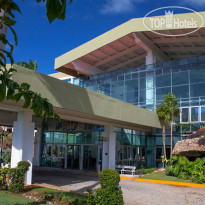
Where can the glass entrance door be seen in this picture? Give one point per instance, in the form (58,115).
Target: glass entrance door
(90,157)
(73,154)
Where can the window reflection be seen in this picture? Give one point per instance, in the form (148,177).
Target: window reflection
(185,114)
(202,113)
(194,114)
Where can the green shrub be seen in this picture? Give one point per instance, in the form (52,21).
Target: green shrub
(109,193)
(109,178)
(106,196)
(16,177)
(182,168)
(16,180)
(145,171)
(169,171)
(24,166)
(3,183)
(6,158)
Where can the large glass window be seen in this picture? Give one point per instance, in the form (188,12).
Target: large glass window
(180,78)
(68,80)
(76,81)
(185,115)
(131,85)
(163,80)
(195,114)
(181,91)
(197,90)
(131,97)
(60,137)
(202,113)
(117,87)
(104,89)
(48,137)
(160,92)
(197,76)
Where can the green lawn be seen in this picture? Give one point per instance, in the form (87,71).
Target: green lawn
(162,176)
(8,199)
(52,191)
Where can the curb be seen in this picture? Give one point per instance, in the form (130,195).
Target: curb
(181,184)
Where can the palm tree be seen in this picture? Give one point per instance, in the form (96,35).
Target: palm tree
(32,64)
(164,117)
(174,111)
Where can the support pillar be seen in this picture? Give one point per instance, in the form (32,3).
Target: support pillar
(109,148)
(150,59)
(37,147)
(22,143)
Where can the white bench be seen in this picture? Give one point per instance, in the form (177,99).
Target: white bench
(126,169)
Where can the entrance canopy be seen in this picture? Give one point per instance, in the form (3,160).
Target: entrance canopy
(128,45)
(78,103)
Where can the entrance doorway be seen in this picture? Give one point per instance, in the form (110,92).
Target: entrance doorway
(73,156)
(91,157)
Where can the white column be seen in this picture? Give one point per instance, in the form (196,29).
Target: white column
(150,59)
(37,147)
(22,143)
(109,147)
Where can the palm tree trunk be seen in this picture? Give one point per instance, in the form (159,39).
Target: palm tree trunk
(171,134)
(164,145)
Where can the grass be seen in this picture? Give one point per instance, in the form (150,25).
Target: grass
(8,199)
(71,195)
(163,176)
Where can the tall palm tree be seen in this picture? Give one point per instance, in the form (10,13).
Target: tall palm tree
(32,64)
(174,112)
(164,117)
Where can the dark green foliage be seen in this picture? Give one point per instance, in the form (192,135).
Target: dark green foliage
(184,169)
(107,196)
(32,64)
(3,183)
(109,178)
(109,193)
(16,180)
(145,171)
(24,166)
(60,198)
(15,177)
(90,197)
(6,158)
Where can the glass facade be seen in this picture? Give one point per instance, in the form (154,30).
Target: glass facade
(74,145)
(145,86)
(135,148)
(70,144)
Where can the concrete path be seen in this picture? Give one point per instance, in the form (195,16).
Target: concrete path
(135,193)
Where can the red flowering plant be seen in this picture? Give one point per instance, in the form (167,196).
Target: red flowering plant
(16,177)
(200,132)
(16,180)
(3,183)
(24,166)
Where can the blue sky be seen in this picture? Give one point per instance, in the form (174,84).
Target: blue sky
(85,20)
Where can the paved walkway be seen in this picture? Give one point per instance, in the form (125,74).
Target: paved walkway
(135,193)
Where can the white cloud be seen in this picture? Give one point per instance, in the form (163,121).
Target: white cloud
(118,6)
(194,3)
